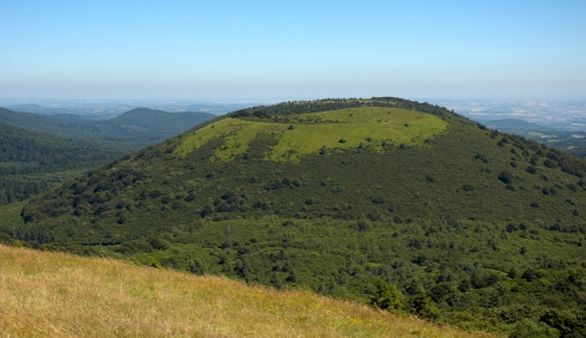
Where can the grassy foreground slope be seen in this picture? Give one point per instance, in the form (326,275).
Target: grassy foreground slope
(59,295)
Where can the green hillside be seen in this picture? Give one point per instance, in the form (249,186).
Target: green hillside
(407,206)
(141,127)
(30,162)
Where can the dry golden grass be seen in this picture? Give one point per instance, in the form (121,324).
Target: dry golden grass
(46,294)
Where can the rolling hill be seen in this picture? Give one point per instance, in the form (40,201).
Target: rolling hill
(60,295)
(155,125)
(41,123)
(130,131)
(404,205)
(30,162)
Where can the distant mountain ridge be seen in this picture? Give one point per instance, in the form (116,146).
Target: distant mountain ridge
(41,110)
(130,131)
(160,120)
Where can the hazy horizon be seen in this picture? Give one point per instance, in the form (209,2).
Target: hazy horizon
(254,51)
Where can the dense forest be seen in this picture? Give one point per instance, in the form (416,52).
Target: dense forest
(30,162)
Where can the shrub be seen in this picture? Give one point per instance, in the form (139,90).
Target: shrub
(530,328)
(550,163)
(387,297)
(440,291)
(362,226)
(292,277)
(530,275)
(159,244)
(196,266)
(566,322)
(506,177)
(481,158)
(480,281)
(421,305)
(377,199)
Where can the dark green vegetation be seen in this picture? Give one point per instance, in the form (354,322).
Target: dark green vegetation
(30,162)
(130,131)
(469,226)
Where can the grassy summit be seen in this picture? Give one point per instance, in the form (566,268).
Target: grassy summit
(59,295)
(307,134)
(358,198)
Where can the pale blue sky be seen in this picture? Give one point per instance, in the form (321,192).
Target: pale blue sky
(261,50)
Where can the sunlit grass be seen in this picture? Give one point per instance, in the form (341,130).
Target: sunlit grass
(306,134)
